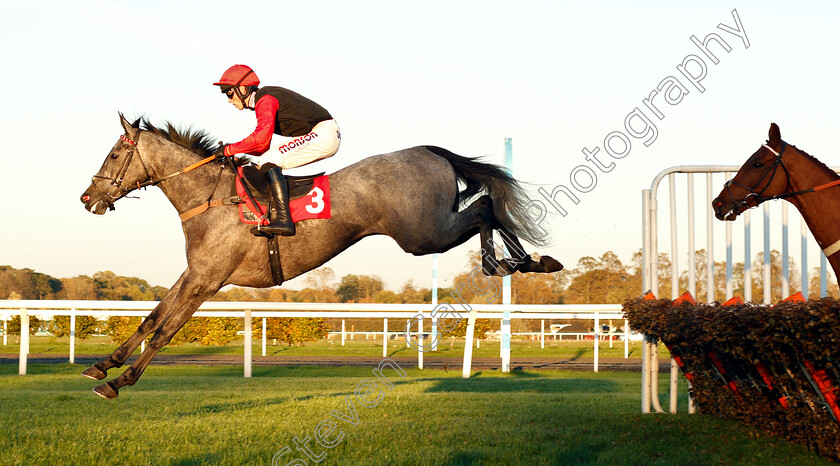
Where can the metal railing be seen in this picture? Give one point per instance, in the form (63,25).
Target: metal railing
(713,227)
(249,310)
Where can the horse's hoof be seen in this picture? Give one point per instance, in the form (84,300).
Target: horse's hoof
(94,373)
(549,264)
(106,391)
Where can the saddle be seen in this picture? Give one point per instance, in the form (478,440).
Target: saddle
(299,186)
(309,196)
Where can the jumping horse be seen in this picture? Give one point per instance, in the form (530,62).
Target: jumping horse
(411,195)
(778,170)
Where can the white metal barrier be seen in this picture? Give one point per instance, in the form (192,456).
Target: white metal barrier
(715,176)
(249,310)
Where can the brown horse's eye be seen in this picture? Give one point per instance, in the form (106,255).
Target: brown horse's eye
(113,156)
(758,165)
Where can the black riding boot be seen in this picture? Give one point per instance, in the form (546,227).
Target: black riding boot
(281,219)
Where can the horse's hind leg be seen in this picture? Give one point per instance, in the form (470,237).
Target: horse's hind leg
(99,370)
(443,232)
(520,261)
(189,297)
(546,264)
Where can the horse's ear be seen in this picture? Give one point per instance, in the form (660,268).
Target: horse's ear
(129,128)
(775,135)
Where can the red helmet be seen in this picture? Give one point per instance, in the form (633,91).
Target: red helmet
(238,75)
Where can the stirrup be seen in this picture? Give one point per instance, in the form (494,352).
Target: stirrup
(258,231)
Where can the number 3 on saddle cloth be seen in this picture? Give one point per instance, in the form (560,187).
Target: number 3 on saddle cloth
(309,196)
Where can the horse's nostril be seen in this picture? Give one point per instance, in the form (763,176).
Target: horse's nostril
(86,198)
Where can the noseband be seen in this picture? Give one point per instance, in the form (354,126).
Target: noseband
(769,174)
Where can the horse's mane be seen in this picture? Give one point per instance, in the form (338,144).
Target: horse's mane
(816,161)
(196,140)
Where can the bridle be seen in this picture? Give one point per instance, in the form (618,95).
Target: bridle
(117,191)
(759,197)
(110,196)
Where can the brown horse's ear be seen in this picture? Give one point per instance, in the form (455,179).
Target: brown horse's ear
(125,124)
(129,128)
(775,135)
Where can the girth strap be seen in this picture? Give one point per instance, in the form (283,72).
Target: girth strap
(274,260)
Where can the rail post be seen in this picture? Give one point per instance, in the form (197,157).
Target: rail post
(597,339)
(542,334)
(468,349)
(626,339)
(24,341)
(248,342)
(385,337)
(420,341)
(72,336)
(263,336)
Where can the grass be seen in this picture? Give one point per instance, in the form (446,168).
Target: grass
(203,415)
(359,347)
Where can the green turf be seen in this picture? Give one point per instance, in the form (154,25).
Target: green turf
(211,415)
(357,347)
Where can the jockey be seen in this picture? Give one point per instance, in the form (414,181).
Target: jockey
(315,136)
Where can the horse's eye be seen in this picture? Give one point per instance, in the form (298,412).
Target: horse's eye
(758,165)
(114,156)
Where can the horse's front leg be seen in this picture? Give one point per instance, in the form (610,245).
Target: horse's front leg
(99,370)
(189,297)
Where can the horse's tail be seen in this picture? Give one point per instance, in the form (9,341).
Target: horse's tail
(510,203)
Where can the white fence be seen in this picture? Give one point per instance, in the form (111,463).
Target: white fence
(681,214)
(249,310)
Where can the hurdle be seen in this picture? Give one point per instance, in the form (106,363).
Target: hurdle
(715,176)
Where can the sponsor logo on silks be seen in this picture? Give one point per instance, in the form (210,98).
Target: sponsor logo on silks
(295,143)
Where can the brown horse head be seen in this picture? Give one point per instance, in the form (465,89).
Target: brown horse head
(762,177)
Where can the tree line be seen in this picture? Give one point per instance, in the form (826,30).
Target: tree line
(602,280)
(594,280)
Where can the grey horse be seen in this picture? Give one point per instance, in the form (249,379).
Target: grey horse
(411,195)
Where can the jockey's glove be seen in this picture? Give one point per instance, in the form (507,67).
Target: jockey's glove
(220,153)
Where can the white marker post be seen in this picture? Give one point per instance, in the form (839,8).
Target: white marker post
(24,341)
(72,336)
(434,335)
(248,342)
(385,337)
(506,289)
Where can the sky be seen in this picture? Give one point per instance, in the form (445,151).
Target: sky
(558,78)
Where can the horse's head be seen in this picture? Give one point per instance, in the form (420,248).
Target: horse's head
(121,172)
(759,179)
